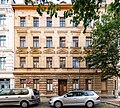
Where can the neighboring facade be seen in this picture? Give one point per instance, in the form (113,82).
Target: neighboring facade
(6,44)
(47,52)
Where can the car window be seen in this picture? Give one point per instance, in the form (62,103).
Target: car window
(88,93)
(24,92)
(5,92)
(20,92)
(71,94)
(16,92)
(80,94)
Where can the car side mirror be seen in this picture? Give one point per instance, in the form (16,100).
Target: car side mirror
(65,96)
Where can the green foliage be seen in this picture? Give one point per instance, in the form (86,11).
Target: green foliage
(104,55)
(115,8)
(29,1)
(84,10)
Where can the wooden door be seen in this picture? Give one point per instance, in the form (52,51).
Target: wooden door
(62,87)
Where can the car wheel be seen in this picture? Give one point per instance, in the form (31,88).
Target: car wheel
(24,104)
(90,104)
(58,104)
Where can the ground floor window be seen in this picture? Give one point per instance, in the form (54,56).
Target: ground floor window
(49,84)
(75,84)
(4,83)
(36,84)
(22,83)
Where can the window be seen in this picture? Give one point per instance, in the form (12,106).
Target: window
(36,84)
(22,83)
(104,86)
(88,41)
(35,62)
(103,2)
(80,93)
(2,19)
(71,94)
(2,62)
(62,22)
(49,84)
(88,63)
(22,62)
(22,42)
(49,22)
(62,62)
(62,41)
(36,21)
(2,41)
(74,24)
(20,92)
(75,84)
(49,62)
(35,41)
(75,62)
(49,42)
(3,1)
(22,21)
(75,41)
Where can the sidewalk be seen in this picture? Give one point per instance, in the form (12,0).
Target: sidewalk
(113,101)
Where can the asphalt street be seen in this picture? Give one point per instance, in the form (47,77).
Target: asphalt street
(46,105)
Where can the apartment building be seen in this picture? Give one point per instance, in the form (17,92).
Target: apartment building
(48,52)
(6,44)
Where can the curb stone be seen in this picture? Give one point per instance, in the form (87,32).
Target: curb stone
(114,103)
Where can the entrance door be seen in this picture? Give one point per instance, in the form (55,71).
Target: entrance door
(88,84)
(62,87)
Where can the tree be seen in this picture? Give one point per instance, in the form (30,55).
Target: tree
(104,54)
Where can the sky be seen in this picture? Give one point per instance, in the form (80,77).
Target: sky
(55,1)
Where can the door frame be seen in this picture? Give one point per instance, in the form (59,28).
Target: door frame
(62,86)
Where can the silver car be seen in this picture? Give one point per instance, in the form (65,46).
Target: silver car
(19,96)
(76,98)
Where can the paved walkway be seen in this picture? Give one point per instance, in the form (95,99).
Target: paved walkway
(113,101)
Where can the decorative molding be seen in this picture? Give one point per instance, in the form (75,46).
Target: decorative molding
(62,31)
(62,51)
(74,31)
(35,51)
(75,51)
(49,51)
(49,31)
(22,51)
(21,31)
(35,47)
(35,31)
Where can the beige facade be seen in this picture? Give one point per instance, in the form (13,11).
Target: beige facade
(46,58)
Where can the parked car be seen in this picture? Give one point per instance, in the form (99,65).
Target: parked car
(76,98)
(19,96)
